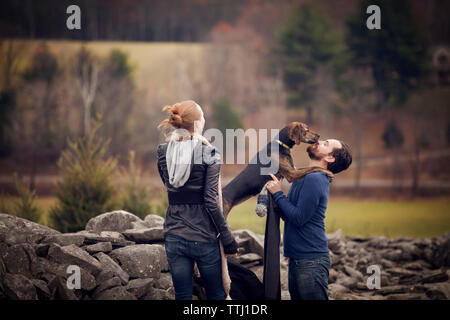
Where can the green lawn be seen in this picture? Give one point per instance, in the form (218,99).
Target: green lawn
(354,217)
(366,218)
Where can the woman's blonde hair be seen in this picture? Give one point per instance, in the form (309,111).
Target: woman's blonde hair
(182,115)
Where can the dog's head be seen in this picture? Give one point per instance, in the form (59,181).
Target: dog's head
(299,132)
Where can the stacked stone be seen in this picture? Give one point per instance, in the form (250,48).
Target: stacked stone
(121,256)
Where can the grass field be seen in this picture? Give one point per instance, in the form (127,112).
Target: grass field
(366,218)
(363,218)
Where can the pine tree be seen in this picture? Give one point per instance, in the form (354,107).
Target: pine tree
(87,187)
(24,206)
(306,42)
(397,53)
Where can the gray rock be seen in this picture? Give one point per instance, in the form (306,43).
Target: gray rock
(153,220)
(394,255)
(145,235)
(407,296)
(378,242)
(348,282)
(140,260)
(15,230)
(2,268)
(249,258)
(409,250)
(102,234)
(98,247)
(18,287)
(109,264)
(386,263)
(140,287)
(160,294)
(401,272)
(116,293)
(105,285)
(74,255)
(18,259)
(112,234)
(104,276)
(164,281)
(118,220)
(441,256)
(42,249)
(249,241)
(115,241)
(60,291)
(332,275)
(397,289)
(336,242)
(428,255)
(349,296)
(65,239)
(61,270)
(353,273)
(42,290)
(335,288)
(439,291)
(163,257)
(435,276)
(418,265)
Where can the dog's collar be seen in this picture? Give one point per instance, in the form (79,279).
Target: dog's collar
(283,144)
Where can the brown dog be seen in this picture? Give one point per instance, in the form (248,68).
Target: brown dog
(249,182)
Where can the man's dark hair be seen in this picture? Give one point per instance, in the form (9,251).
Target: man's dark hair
(343,158)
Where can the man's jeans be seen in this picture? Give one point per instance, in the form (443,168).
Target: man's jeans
(181,255)
(308,278)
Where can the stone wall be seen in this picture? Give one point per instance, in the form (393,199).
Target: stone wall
(121,256)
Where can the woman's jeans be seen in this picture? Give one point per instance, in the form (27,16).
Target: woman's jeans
(181,255)
(308,278)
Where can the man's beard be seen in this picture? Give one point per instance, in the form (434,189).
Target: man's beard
(312,152)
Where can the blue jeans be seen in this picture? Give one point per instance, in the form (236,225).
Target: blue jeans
(308,278)
(181,255)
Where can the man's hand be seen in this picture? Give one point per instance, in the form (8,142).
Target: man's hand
(274,185)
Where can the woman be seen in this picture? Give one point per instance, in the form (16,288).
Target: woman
(189,167)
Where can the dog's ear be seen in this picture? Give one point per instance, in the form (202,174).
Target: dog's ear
(296,132)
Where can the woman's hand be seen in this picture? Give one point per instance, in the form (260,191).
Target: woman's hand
(274,185)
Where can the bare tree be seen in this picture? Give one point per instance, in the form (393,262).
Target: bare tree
(86,78)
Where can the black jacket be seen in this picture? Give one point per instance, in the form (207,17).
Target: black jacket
(194,212)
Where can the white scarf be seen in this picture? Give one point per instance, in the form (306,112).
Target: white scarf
(179,158)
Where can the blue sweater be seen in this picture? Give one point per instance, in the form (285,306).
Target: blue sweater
(303,213)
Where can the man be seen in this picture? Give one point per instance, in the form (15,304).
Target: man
(303,212)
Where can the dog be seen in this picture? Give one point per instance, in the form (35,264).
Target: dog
(249,182)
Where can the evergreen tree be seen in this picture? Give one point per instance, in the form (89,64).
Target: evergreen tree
(24,206)
(87,188)
(305,43)
(225,117)
(396,54)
